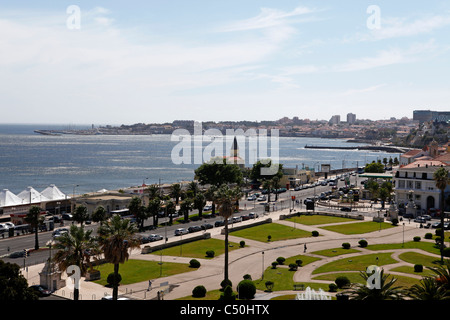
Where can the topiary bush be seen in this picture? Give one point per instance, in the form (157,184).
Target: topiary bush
(194,263)
(342,282)
(293,267)
(274,265)
(346,245)
(242,243)
(112,279)
(246,289)
(247,277)
(394,222)
(269,285)
(315,233)
(446,252)
(418,268)
(416,239)
(428,235)
(225,283)
(299,262)
(362,243)
(332,287)
(281,260)
(227,294)
(199,292)
(210,253)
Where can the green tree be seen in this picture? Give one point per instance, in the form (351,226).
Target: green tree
(193,188)
(175,192)
(34,219)
(226,199)
(13,285)
(257,173)
(75,248)
(374,167)
(170,209)
(441,179)
(81,214)
(427,289)
(153,208)
(185,207)
(276,185)
(116,237)
(267,185)
(199,203)
(99,214)
(138,211)
(217,173)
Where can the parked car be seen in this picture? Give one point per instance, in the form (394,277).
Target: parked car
(59,232)
(3,228)
(346,209)
(207,226)
(219,223)
(253,215)
(66,216)
(245,217)
(237,219)
(207,208)
(420,219)
(426,216)
(181,231)
(154,237)
(436,225)
(251,198)
(194,229)
(40,290)
(261,198)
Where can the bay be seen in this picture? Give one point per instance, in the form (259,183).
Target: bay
(81,164)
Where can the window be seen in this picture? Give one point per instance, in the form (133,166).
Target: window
(401,184)
(418,185)
(410,185)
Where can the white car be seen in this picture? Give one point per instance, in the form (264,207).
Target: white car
(251,198)
(262,198)
(3,227)
(181,231)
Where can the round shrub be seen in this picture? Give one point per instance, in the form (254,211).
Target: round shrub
(428,235)
(225,283)
(228,294)
(194,263)
(362,243)
(269,285)
(293,267)
(438,232)
(210,253)
(113,280)
(299,262)
(394,221)
(274,265)
(199,292)
(242,243)
(346,245)
(418,268)
(332,287)
(416,239)
(281,260)
(315,233)
(438,240)
(446,252)
(246,289)
(342,281)
(247,277)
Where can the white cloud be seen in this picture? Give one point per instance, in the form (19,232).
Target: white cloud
(364,90)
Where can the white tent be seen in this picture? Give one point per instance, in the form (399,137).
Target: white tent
(31,194)
(7,198)
(53,193)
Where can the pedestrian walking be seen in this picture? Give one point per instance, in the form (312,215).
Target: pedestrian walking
(304,247)
(149,285)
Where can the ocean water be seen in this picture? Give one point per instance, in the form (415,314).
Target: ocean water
(81,164)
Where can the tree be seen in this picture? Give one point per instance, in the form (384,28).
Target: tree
(34,218)
(199,203)
(175,192)
(257,173)
(373,186)
(193,188)
(427,289)
(210,196)
(441,179)
(374,167)
(170,210)
(153,191)
(267,185)
(276,185)
(226,199)
(383,193)
(116,238)
(13,285)
(217,173)
(75,248)
(153,208)
(99,214)
(81,214)
(386,290)
(185,207)
(138,211)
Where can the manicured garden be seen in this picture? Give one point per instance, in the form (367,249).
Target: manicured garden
(271,232)
(318,219)
(359,227)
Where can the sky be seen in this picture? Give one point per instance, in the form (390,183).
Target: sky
(125,62)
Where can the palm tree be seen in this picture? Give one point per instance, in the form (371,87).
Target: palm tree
(193,187)
(99,214)
(210,196)
(386,290)
(441,179)
(276,185)
(153,208)
(443,275)
(185,207)
(81,214)
(199,203)
(267,185)
(428,289)
(226,199)
(34,218)
(116,237)
(75,248)
(170,210)
(175,192)
(153,191)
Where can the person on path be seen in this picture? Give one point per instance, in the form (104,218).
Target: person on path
(149,285)
(304,247)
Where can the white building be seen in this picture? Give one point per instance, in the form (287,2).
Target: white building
(416,179)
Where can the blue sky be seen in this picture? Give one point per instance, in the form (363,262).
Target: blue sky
(158,61)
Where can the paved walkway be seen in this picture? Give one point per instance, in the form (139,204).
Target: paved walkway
(249,260)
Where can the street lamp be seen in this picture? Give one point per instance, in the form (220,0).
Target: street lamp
(403,243)
(262,277)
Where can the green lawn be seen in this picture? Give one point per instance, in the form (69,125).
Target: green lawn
(335,252)
(133,271)
(318,219)
(359,228)
(423,245)
(276,230)
(197,249)
(357,263)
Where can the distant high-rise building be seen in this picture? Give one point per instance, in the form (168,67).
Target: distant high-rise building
(336,119)
(351,118)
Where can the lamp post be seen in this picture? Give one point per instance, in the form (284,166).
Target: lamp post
(262,277)
(403,243)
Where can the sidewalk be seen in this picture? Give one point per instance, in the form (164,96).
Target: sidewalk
(249,260)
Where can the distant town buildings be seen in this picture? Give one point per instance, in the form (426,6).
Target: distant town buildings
(351,118)
(428,115)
